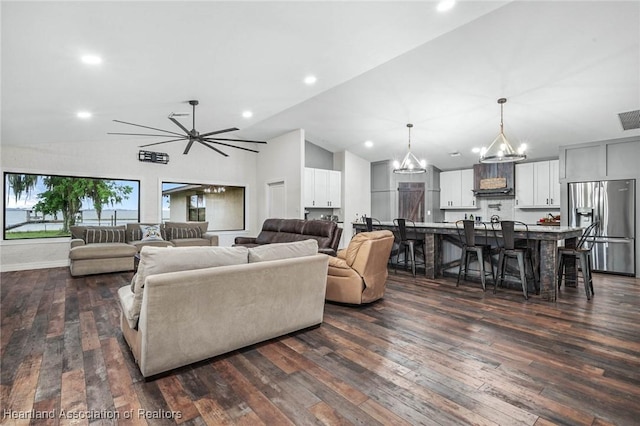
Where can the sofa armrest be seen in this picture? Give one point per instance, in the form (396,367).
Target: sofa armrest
(76,242)
(213,238)
(328,251)
(245,240)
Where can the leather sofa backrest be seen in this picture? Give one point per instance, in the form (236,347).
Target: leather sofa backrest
(288,230)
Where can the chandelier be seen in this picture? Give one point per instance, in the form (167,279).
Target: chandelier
(500,150)
(410,164)
(213,189)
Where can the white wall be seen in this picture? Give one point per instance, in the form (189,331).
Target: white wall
(356,190)
(118,159)
(281,160)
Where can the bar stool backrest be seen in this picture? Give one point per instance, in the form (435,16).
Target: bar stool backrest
(468,228)
(508,233)
(587,233)
(402,225)
(370,221)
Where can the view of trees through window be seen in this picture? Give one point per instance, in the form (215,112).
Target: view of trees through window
(41,206)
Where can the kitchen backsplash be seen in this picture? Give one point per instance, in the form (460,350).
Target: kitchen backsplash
(504,208)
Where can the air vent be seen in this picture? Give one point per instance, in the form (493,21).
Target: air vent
(630,120)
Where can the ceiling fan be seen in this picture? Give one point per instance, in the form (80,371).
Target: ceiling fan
(191,136)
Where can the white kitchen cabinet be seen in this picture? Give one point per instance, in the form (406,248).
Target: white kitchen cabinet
(335,188)
(538,185)
(322,188)
(456,190)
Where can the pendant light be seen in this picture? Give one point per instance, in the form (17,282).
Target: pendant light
(410,164)
(500,150)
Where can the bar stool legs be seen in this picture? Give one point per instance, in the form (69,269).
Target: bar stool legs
(465,260)
(584,257)
(522,265)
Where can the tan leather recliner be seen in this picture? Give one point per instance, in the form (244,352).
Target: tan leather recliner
(359,273)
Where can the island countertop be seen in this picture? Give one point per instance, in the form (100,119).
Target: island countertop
(435,227)
(547,236)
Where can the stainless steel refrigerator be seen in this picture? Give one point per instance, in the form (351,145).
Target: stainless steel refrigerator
(613,204)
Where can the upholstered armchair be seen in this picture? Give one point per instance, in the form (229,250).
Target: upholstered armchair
(359,273)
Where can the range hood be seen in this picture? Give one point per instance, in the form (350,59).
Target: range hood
(494,180)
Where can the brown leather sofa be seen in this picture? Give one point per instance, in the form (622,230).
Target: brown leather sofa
(325,232)
(359,273)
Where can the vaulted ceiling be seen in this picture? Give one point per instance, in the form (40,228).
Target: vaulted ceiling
(567,69)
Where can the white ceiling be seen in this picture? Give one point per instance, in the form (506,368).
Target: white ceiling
(567,68)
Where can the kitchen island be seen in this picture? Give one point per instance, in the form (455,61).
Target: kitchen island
(547,237)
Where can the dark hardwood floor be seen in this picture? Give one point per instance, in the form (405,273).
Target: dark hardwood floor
(428,353)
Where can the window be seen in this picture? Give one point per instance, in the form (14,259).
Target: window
(43,206)
(196,207)
(223,206)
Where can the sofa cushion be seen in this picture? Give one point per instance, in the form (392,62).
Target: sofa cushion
(80,231)
(184,232)
(102,251)
(288,230)
(127,301)
(107,235)
(191,242)
(202,225)
(158,260)
(155,243)
(282,251)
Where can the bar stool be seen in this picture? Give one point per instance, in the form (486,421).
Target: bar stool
(409,242)
(370,221)
(509,249)
(467,235)
(582,255)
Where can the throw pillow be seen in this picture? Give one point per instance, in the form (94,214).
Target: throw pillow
(151,233)
(107,235)
(283,250)
(181,233)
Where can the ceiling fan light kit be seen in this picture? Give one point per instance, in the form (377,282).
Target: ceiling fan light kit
(410,164)
(500,150)
(192,136)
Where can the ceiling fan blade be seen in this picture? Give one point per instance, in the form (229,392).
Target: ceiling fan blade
(141,134)
(177,123)
(188,147)
(158,143)
(213,148)
(217,132)
(147,127)
(231,146)
(238,140)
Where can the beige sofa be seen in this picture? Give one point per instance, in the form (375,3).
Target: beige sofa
(187,304)
(103,249)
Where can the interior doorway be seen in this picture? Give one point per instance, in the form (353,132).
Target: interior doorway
(411,201)
(276,200)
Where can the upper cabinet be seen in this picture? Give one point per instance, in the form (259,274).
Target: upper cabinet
(456,190)
(538,184)
(322,188)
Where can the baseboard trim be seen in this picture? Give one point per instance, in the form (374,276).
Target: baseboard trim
(34,265)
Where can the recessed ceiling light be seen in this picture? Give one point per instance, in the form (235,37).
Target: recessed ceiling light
(445,5)
(91,59)
(310,79)
(83,114)
(368,144)
(247,114)
(476,150)
(455,154)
